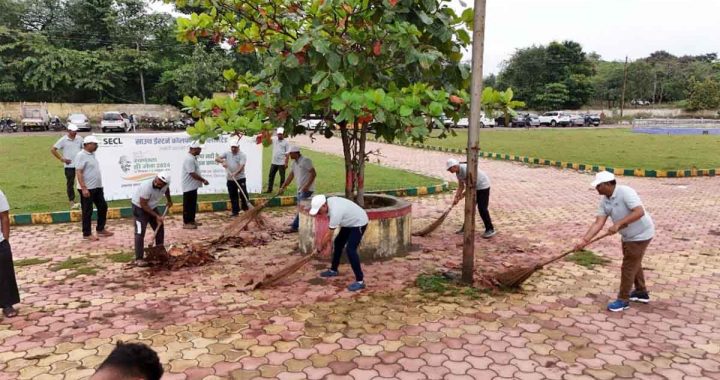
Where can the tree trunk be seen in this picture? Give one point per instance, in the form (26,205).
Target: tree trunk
(348,159)
(360,200)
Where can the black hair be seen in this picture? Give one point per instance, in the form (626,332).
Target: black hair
(613,182)
(134,360)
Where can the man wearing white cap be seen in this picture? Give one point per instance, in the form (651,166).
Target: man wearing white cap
(304,171)
(280,148)
(70,145)
(234,164)
(90,187)
(623,205)
(191,182)
(482,193)
(353,221)
(145,210)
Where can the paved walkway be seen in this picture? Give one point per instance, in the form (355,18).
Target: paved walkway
(307,328)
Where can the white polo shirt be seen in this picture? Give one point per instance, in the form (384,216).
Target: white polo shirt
(88,163)
(69,148)
(234,161)
(345,213)
(620,205)
(483,181)
(301,170)
(279,150)
(149,192)
(190,165)
(4,206)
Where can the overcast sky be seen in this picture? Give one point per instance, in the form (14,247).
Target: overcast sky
(612,28)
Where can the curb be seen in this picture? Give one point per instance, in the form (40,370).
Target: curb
(206,206)
(628,172)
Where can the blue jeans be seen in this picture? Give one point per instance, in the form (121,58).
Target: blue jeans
(301,196)
(350,236)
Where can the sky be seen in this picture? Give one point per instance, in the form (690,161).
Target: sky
(612,28)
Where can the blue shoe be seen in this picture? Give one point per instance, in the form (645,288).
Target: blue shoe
(355,286)
(329,273)
(618,305)
(638,296)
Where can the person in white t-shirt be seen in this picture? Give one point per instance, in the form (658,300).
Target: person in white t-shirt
(191,182)
(145,210)
(304,173)
(65,150)
(9,294)
(279,163)
(482,193)
(234,163)
(352,221)
(623,205)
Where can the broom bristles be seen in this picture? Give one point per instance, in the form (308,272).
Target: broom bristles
(515,277)
(434,225)
(284,272)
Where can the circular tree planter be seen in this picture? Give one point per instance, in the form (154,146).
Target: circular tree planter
(388,233)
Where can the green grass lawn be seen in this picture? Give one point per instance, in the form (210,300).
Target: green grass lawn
(618,147)
(34,181)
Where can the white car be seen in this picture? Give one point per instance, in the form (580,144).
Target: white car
(577,120)
(114,121)
(312,122)
(80,120)
(484,122)
(554,118)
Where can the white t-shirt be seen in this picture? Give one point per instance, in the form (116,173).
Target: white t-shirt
(301,170)
(483,181)
(190,165)
(149,192)
(88,163)
(620,205)
(69,148)
(279,149)
(4,206)
(345,213)
(234,161)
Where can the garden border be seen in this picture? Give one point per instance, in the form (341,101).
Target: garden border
(206,206)
(629,172)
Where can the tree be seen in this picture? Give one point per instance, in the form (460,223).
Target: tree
(501,102)
(554,96)
(358,63)
(703,95)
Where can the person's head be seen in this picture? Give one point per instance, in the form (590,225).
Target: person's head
(235,147)
(90,144)
(72,130)
(318,205)
(604,183)
(452,165)
(162,179)
(130,361)
(195,148)
(294,152)
(280,133)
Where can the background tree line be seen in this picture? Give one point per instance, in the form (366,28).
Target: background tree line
(96,50)
(561,75)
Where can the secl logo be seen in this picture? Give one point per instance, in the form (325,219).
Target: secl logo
(112,141)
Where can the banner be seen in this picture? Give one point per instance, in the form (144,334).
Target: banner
(126,160)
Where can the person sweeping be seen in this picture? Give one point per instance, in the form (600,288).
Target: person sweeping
(623,205)
(234,163)
(352,221)
(482,192)
(145,210)
(304,173)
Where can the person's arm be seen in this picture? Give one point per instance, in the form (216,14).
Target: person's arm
(287,183)
(146,207)
(325,242)
(5,221)
(221,160)
(635,215)
(310,181)
(459,193)
(241,167)
(56,153)
(194,175)
(591,232)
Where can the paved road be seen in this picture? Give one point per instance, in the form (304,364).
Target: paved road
(556,327)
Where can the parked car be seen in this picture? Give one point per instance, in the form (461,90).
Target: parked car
(484,122)
(114,121)
(35,116)
(532,120)
(592,119)
(640,102)
(554,118)
(311,122)
(517,121)
(577,120)
(80,120)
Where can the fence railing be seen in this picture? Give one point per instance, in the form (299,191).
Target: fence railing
(676,123)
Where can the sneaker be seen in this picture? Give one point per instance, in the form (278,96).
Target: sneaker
(618,305)
(105,233)
(488,234)
(234,215)
(638,296)
(141,263)
(91,238)
(329,273)
(189,226)
(355,286)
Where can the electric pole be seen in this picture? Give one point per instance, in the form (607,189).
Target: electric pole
(142,80)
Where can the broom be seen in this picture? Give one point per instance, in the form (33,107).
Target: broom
(434,225)
(157,250)
(284,272)
(516,276)
(242,221)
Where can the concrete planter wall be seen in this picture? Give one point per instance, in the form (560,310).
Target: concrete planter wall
(388,233)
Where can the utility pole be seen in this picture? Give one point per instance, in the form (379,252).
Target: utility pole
(622,97)
(142,80)
(478,48)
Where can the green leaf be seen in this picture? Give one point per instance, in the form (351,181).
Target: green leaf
(424,17)
(436,109)
(300,43)
(405,111)
(333,61)
(229,74)
(353,59)
(339,79)
(318,77)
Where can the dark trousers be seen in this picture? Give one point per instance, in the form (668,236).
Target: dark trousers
(271,178)
(350,236)
(70,183)
(142,219)
(189,206)
(98,199)
(9,294)
(632,272)
(236,196)
(483,199)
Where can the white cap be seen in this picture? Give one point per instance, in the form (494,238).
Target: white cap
(294,149)
(280,131)
(450,163)
(164,176)
(90,139)
(195,144)
(317,202)
(235,143)
(602,177)
(72,128)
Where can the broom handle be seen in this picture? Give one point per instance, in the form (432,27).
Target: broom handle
(606,234)
(156,229)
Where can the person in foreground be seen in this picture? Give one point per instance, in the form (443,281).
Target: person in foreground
(353,221)
(130,361)
(623,205)
(9,294)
